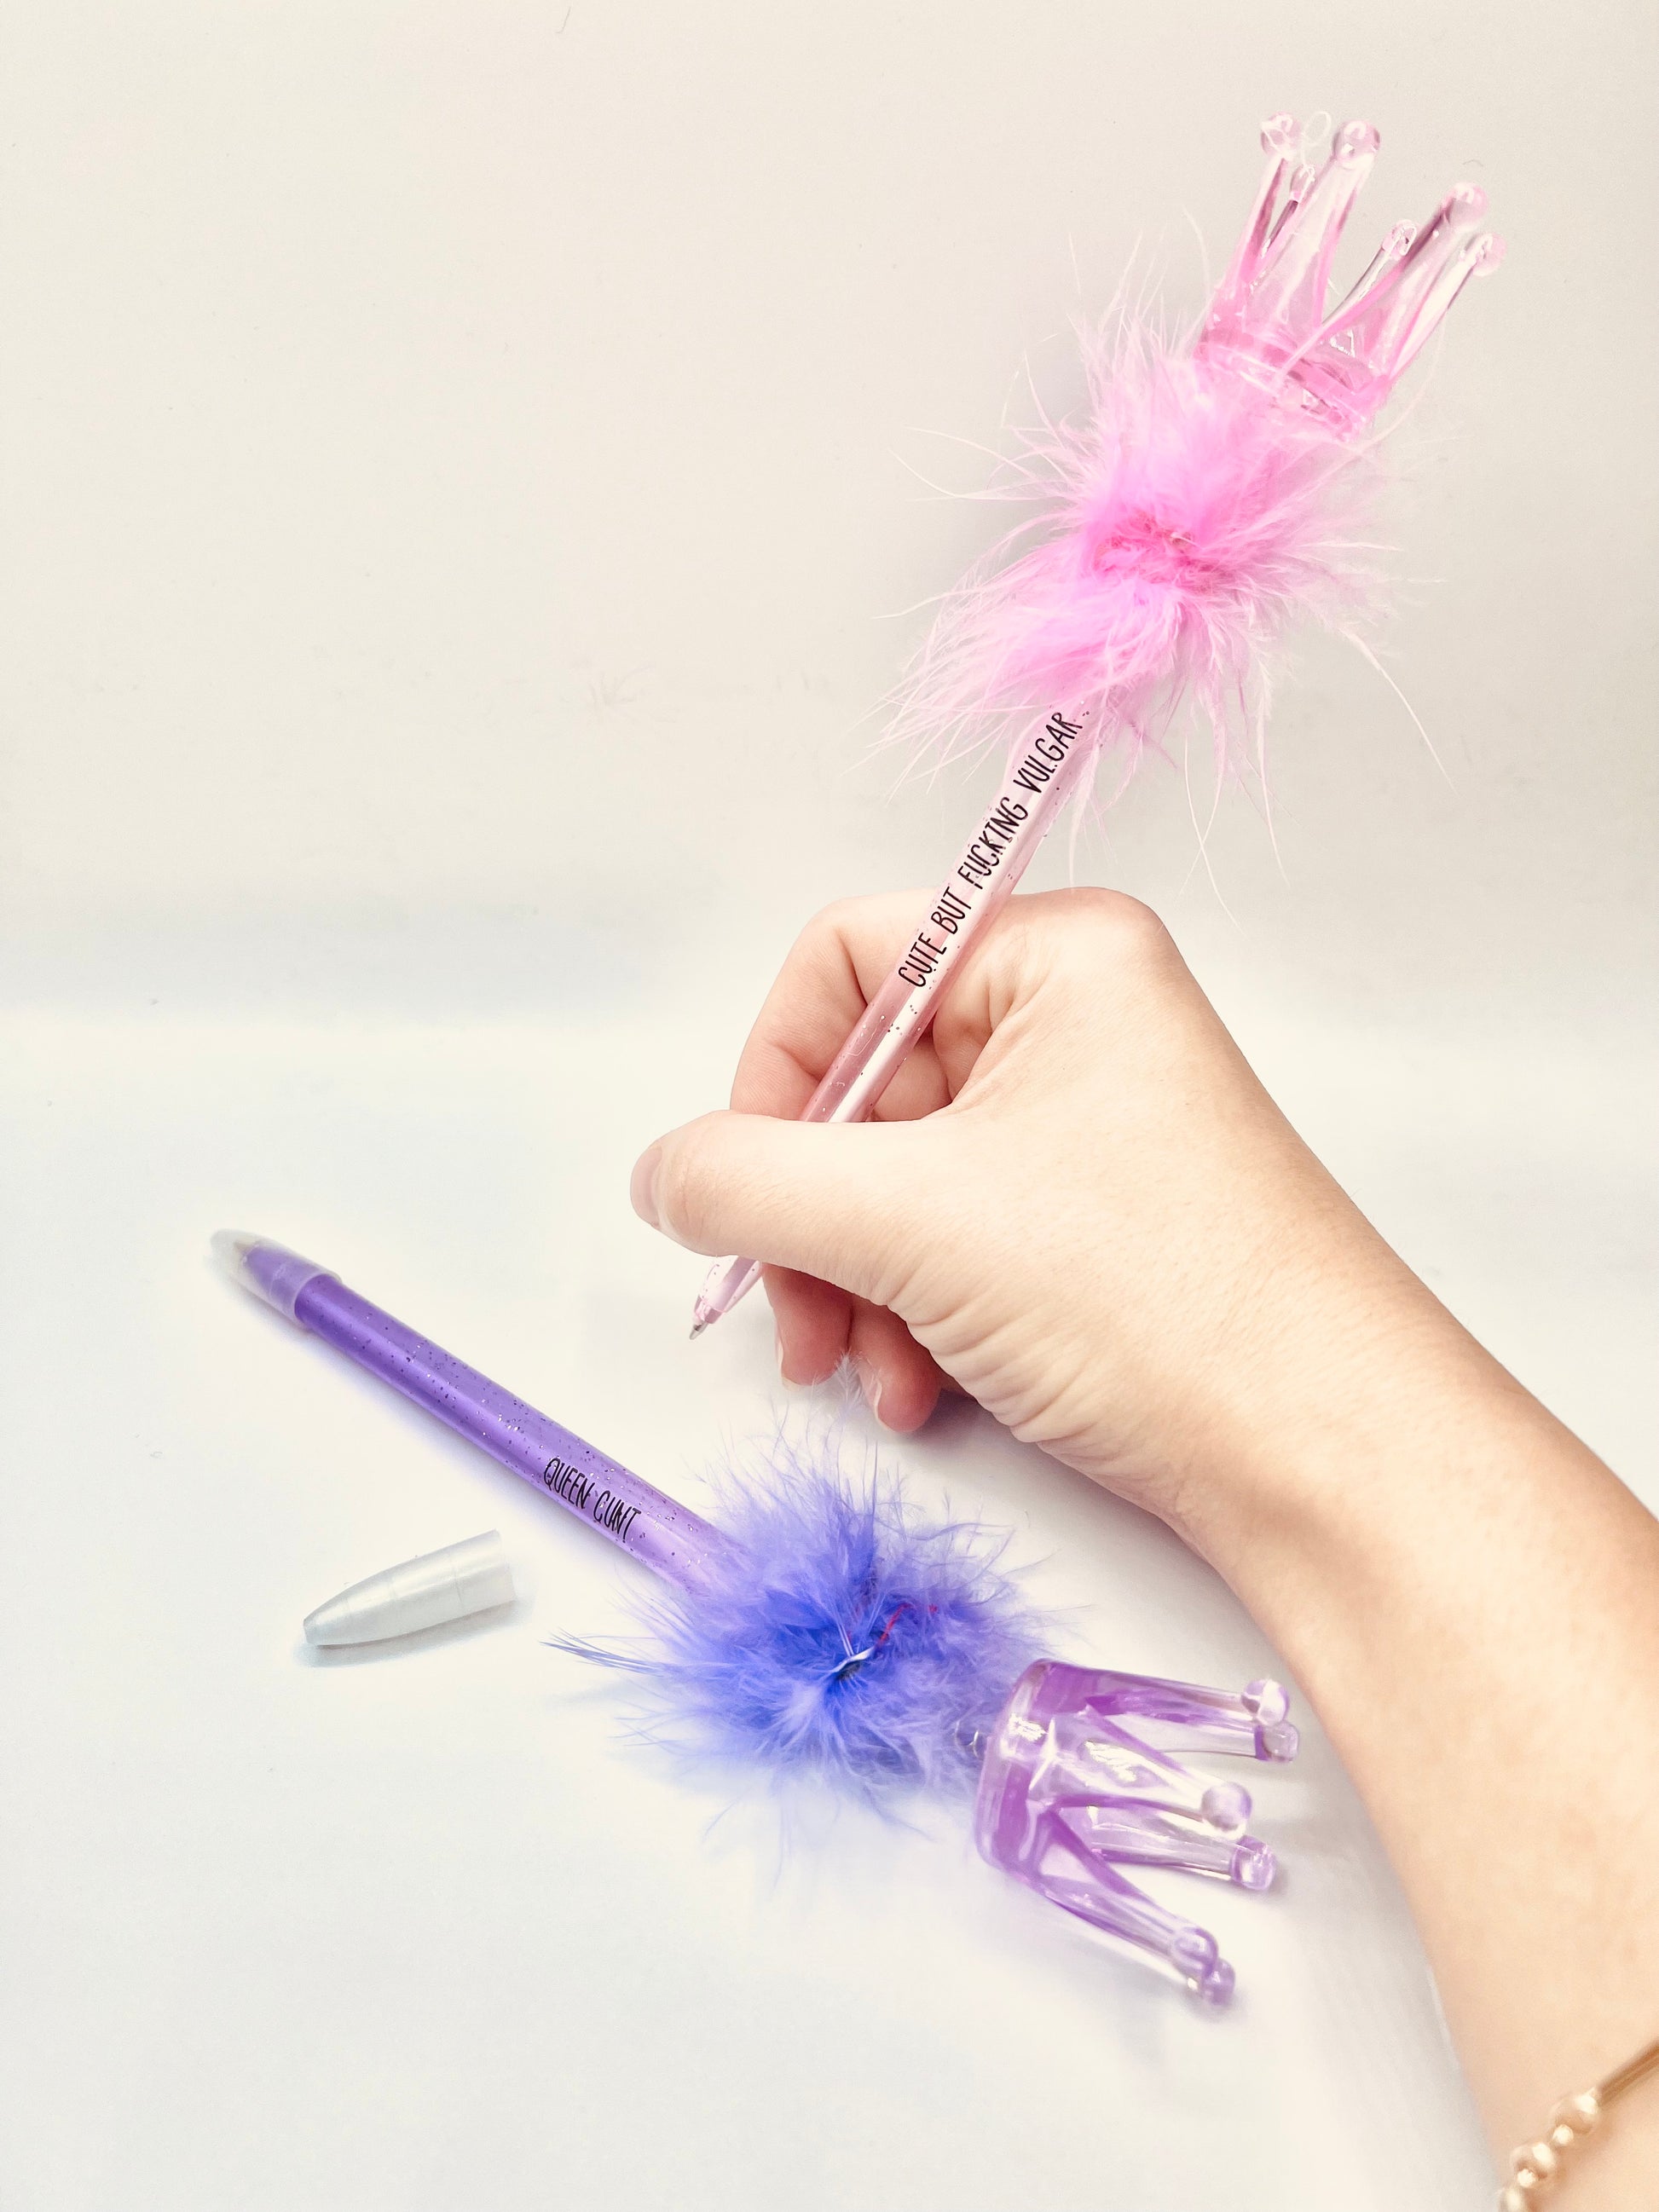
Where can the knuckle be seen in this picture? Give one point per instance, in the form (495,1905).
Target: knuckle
(831,925)
(1110,925)
(849,927)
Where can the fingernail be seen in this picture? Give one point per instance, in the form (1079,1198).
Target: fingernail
(642,1185)
(870,1383)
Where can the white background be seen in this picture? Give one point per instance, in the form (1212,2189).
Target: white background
(465,470)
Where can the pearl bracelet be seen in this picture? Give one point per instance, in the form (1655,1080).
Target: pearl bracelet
(1535,2164)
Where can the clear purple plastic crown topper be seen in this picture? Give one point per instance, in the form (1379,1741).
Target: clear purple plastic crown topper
(1078,1779)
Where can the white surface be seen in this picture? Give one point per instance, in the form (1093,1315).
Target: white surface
(411,413)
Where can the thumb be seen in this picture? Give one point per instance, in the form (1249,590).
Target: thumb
(833,1200)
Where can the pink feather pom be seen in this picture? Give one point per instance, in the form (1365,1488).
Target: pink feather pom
(1213,493)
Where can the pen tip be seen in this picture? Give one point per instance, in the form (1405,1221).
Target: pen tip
(698,1328)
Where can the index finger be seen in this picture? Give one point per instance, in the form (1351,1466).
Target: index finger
(833,969)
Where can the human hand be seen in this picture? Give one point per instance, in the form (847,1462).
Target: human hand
(1077,1202)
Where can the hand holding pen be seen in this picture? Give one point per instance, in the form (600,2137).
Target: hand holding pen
(1008,1221)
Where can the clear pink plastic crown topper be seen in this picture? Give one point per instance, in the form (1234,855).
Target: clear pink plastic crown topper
(1270,318)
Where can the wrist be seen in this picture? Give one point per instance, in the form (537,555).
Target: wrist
(1465,1596)
(1332,1380)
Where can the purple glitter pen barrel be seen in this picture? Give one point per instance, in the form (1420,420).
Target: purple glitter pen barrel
(677,1544)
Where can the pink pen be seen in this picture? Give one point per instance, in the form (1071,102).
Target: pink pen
(1210,493)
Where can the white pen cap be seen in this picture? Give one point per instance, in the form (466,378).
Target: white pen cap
(464,1578)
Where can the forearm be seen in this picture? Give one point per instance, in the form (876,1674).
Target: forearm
(1471,1602)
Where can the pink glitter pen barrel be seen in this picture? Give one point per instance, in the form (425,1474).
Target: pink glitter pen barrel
(674,1542)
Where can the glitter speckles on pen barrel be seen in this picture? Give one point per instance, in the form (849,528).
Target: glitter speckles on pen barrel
(674,1542)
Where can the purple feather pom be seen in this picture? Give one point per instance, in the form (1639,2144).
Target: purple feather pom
(847,1638)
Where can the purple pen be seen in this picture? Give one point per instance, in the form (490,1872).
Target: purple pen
(675,1543)
(833,1631)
